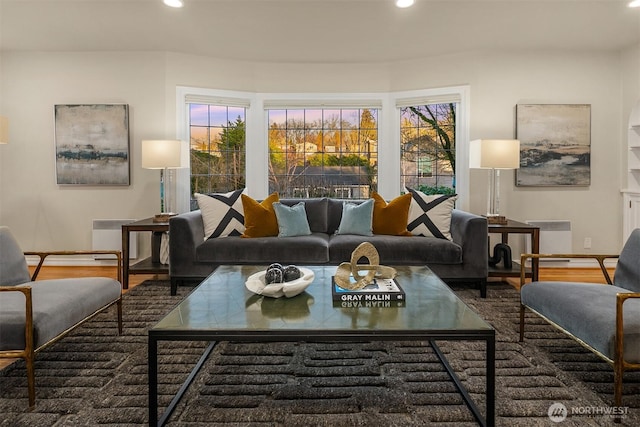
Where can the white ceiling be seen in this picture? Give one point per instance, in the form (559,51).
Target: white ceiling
(325,31)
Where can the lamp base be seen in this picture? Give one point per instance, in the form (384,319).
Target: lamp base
(496,219)
(163,217)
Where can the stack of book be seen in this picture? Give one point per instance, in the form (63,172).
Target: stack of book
(379,293)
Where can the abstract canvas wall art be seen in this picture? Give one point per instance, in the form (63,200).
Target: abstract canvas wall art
(555,144)
(92,144)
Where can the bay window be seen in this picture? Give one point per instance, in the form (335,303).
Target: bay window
(317,145)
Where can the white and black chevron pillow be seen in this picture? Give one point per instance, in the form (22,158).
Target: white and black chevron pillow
(222,213)
(430,216)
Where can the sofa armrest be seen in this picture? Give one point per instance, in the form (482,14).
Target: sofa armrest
(471,233)
(186,233)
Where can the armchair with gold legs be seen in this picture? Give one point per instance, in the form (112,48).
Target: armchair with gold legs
(36,313)
(604,318)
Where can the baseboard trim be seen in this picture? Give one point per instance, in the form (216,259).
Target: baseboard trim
(574,263)
(71,261)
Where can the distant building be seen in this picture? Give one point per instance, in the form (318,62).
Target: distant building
(345,182)
(306,148)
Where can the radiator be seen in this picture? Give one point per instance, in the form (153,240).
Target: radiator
(555,237)
(107,236)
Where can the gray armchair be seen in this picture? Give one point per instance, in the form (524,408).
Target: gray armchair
(603,318)
(35,314)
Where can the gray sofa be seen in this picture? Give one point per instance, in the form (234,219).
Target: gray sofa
(463,259)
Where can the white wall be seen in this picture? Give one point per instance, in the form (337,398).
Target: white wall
(42,214)
(498,82)
(45,215)
(560,78)
(630,96)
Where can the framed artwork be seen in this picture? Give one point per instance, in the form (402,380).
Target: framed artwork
(555,144)
(92,144)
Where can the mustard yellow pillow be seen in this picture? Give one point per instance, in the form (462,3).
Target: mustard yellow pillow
(391,218)
(260,218)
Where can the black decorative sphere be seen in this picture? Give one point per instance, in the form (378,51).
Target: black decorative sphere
(291,272)
(276,265)
(273,275)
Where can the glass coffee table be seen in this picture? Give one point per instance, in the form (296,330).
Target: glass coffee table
(222,309)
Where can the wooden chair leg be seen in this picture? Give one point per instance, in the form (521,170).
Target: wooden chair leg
(31,378)
(618,373)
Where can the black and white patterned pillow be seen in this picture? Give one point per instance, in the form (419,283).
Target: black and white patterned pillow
(222,213)
(430,216)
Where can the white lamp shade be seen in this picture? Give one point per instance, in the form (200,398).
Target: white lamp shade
(494,154)
(160,154)
(4,130)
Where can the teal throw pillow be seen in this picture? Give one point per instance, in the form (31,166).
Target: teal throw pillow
(357,219)
(292,220)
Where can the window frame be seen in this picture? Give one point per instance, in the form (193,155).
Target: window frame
(215,128)
(428,164)
(257,126)
(348,191)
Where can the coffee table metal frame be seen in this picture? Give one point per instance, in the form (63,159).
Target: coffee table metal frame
(215,335)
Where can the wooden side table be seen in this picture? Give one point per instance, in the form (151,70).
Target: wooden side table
(516,227)
(150,265)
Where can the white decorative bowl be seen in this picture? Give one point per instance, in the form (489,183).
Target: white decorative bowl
(256,284)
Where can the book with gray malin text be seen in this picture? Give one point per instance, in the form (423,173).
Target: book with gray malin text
(378,290)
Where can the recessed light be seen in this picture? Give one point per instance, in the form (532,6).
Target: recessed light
(634,3)
(404,3)
(174,3)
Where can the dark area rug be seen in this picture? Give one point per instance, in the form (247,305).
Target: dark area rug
(95,377)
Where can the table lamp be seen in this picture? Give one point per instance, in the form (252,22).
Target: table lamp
(163,155)
(494,154)
(4,130)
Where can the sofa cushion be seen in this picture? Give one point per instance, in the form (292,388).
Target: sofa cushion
(58,304)
(222,213)
(292,220)
(311,249)
(391,218)
(317,212)
(400,250)
(430,216)
(259,218)
(334,213)
(588,312)
(357,218)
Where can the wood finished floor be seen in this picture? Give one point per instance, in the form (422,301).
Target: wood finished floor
(591,275)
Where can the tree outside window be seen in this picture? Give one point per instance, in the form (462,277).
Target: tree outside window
(428,151)
(323,152)
(217,141)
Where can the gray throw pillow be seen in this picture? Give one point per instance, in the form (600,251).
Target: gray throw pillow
(357,219)
(292,221)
